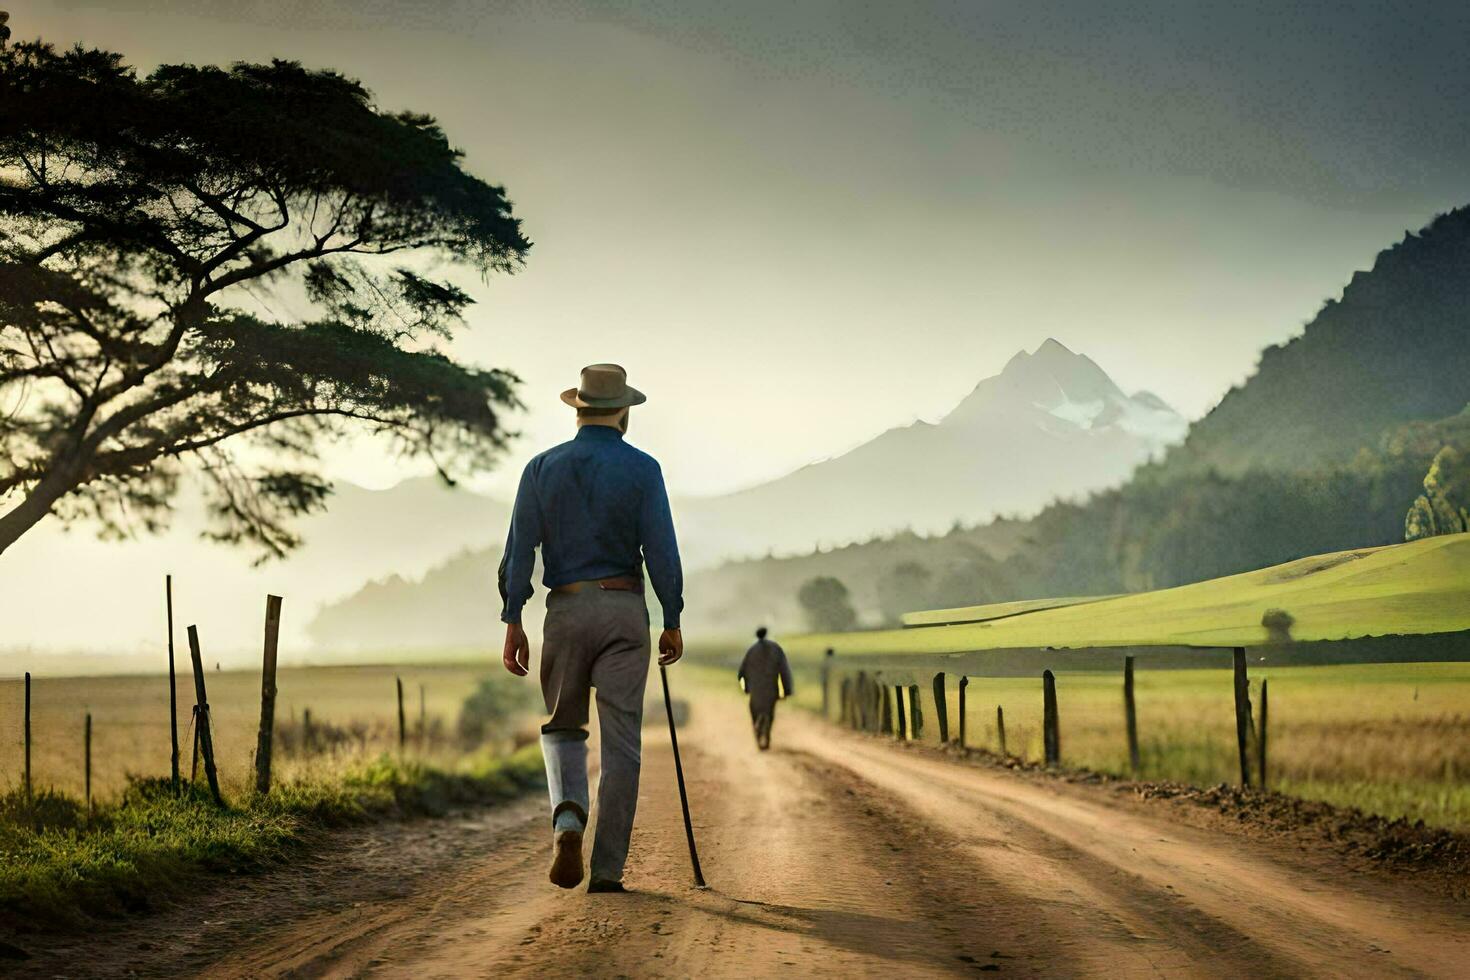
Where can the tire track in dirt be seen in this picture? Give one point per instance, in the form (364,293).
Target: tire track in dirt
(1204,901)
(789,845)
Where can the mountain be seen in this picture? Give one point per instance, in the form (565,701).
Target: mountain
(1051,424)
(1394,348)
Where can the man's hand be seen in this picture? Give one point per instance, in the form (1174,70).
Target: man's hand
(670,647)
(517,655)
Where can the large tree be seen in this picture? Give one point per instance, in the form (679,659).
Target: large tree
(153,227)
(827,605)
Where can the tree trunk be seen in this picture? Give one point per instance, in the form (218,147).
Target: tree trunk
(37,504)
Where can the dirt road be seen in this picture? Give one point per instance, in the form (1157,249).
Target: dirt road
(833,854)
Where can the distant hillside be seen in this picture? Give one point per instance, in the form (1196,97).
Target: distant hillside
(1394,348)
(738,595)
(1162,529)
(1051,425)
(455,604)
(364,534)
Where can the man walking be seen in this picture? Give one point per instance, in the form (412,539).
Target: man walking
(764,664)
(598,509)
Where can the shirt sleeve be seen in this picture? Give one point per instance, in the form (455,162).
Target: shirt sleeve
(786,681)
(519,559)
(661,549)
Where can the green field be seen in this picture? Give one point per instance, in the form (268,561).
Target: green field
(1391,739)
(130,719)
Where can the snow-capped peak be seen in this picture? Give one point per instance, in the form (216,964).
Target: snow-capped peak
(1059,389)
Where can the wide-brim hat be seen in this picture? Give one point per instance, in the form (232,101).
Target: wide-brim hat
(603,386)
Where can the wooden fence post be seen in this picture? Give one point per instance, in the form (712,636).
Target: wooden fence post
(27,731)
(826,676)
(1130,715)
(201,722)
(266,736)
(194,763)
(1261,741)
(885,708)
(1242,716)
(964,683)
(1051,735)
(173,690)
(941,708)
(901,730)
(916,716)
(308,737)
(1000,728)
(402,725)
(87,763)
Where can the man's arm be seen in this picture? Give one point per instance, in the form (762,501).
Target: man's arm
(661,549)
(516,565)
(661,555)
(786,682)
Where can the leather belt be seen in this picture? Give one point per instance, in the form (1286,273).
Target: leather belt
(626,583)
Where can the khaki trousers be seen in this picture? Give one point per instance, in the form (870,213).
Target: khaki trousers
(596,640)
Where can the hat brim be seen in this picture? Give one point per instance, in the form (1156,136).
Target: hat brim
(630,396)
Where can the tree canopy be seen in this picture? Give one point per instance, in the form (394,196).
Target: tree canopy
(150,225)
(827,606)
(1444,506)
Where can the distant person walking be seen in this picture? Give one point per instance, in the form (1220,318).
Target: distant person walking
(763,667)
(598,509)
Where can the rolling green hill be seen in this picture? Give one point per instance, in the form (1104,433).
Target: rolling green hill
(1422,587)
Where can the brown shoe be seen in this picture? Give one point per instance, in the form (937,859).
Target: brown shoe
(566,860)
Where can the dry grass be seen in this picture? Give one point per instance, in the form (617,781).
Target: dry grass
(1389,739)
(130,721)
(1392,739)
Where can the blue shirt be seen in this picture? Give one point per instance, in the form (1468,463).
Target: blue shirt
(598,509)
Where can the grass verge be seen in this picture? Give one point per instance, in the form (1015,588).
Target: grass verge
(58,865)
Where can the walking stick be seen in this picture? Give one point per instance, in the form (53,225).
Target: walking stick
(679,771)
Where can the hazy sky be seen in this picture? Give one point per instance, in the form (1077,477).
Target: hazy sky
(798,224)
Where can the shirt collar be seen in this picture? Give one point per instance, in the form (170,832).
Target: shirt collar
(598,432)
